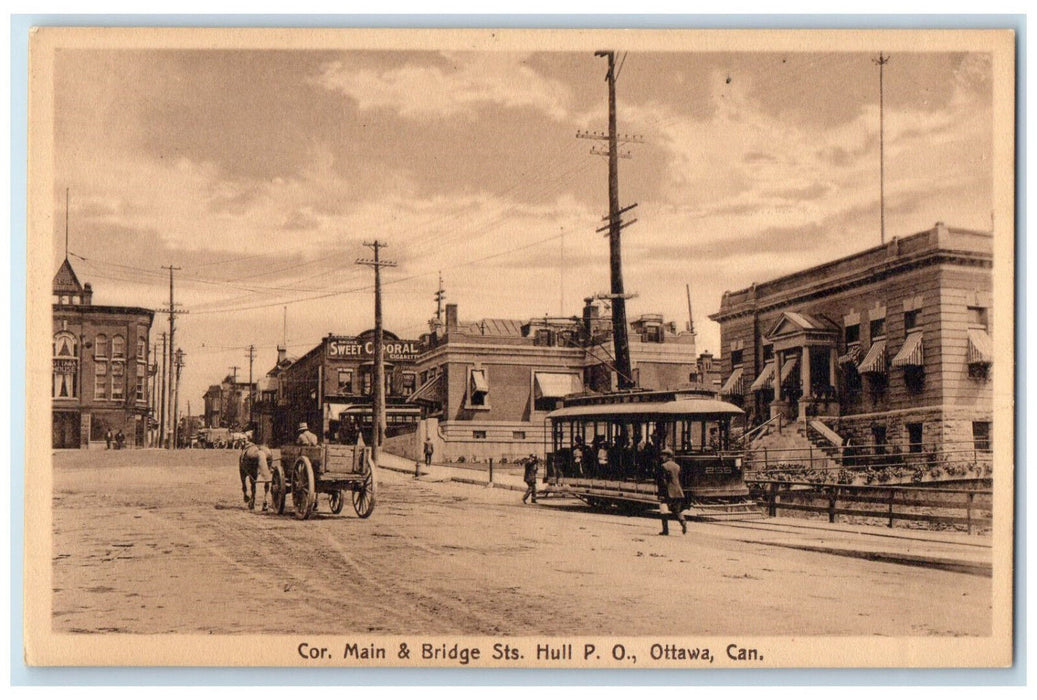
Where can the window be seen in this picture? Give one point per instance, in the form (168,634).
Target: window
(736,357)
(478,389)
(65,378)
(118,380)
(118,347)
(479,434)
(878,435)
(652,334)
(981,435)
(976,317)
(100,381)
(914,437)
(878,328)
(141,380)
(365,383)
(914,378)
(768,353)
(852,334)
(518,434)
(142,350)
(409,383)
(101,346)
(911,320)
(345,381)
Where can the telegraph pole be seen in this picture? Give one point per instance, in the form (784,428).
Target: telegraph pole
(162,393)
(615,225)
(172,344)
(881,61)
(378,407)
(251,357)
(176,397)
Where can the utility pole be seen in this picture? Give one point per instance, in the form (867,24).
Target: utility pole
(881,61)
(162,392)
(176,398)
(172,342)
(251,357)
(615,225)
(378,407)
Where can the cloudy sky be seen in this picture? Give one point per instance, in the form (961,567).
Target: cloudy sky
(261,174)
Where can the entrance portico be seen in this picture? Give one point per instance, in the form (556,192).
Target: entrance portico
(808,343)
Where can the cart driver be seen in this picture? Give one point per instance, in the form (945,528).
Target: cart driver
(305,437)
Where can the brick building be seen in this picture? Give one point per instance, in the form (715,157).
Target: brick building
(330,388)
(228,404)
(487,386)
(101,367)
(887,346)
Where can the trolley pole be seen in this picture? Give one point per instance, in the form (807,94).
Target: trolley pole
(378,400)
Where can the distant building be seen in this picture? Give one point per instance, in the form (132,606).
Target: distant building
(227,404)
(487,386)
(101,367)
(890,346)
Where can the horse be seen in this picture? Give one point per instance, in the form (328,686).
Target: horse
(253,463)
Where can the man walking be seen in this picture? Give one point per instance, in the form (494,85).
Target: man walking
(530,477)
(670,492)
(108,439)
(428,451)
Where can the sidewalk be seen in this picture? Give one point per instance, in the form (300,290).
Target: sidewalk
(947,550)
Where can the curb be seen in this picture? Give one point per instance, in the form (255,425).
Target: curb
(456,479)
(956,565)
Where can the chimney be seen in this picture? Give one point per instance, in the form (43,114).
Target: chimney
(590,314)
(451,317)
(282,354)
(88,294)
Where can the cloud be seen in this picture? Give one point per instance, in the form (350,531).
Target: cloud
(458,84)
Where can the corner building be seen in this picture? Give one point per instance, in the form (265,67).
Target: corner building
(101,367)
(890,346)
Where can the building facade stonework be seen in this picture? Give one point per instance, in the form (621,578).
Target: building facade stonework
(890,346)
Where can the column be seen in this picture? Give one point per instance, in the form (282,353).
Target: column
(804,376)
(777,405)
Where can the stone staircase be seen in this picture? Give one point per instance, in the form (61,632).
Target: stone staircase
(807,446)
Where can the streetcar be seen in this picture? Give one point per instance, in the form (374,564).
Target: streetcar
(605,450)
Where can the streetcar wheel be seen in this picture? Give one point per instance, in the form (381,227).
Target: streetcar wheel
(338,499)
(278,489)
(303,491)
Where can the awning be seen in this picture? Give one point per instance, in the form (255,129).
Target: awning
(555,385)
(875,361)
(910,354)
(332,411)
(479,383)
(427,392)
(733,385)
(852,356)
(786,369)
(981,349)
(765,379)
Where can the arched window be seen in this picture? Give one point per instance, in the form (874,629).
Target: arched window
(101,345)
(118,347)
(65,383)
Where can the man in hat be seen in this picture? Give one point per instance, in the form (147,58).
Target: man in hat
(670,492)
(305,437)
(530,477)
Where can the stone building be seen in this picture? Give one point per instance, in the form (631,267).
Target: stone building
(889,346)
(229,404)
(101,368)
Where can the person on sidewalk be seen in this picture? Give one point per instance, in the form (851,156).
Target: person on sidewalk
(429,449)
(530,477)
(670,492)
(108,439)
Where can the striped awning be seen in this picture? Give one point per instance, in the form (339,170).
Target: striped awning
(981,349)
(786,369)
(765,379)
(852,356)
(910,354)
(429,392)
(875,361)
(734,386)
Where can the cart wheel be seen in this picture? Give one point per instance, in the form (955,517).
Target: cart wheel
(363,493)
(278,489)
(303,491)
(338,499)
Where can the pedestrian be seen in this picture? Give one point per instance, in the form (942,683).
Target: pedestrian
(530,477)
(120,439)
(670,492)
(305,437)
(429,448)
(108,439)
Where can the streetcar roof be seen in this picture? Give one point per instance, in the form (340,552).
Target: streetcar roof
(697,407)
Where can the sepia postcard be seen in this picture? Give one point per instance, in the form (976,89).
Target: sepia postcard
(548,349)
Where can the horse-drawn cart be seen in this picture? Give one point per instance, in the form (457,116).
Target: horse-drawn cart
(305,471)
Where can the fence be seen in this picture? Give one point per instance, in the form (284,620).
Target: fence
(969,507)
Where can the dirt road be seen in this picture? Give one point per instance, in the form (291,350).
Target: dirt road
(149,542)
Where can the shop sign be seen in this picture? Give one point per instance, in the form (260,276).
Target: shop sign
(394,349)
